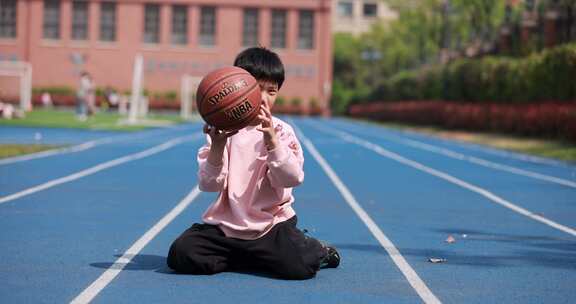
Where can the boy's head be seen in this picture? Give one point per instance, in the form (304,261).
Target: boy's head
(266,67)
(262,63)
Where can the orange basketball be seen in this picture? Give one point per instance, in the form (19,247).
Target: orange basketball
(228,98)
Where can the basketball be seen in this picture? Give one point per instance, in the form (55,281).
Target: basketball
(228,98)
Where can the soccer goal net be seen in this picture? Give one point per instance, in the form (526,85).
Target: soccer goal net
(16,80)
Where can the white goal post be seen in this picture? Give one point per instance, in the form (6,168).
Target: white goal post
(22,70)
(188,86)
(135,110)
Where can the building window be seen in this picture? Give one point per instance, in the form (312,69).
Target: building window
(250,27)
(51,25)
(207,26)
(278,39)
(179,24)
(306,30)
(108,21)
(8,19)
(345,9)
(370,9)
(79,20)
(152,23)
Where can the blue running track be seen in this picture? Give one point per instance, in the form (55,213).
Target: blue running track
(415,190)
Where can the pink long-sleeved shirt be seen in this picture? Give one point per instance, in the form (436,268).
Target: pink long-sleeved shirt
(255,185)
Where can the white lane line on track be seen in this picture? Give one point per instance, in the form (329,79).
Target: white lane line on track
(476,160)
(484,149)
(415,281)
(100,167)
(454,180)
(105,278)
(81,147)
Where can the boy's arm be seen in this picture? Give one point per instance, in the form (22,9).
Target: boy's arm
(285,160)
(212,167)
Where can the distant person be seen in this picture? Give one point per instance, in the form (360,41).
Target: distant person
(8,111)
(85,97)
(91,98)
(81,95)
(252,226)
(111,98)
(46,99)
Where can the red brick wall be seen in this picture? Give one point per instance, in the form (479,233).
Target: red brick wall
(111,64)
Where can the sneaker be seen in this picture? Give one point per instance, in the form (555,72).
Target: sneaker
(332,258)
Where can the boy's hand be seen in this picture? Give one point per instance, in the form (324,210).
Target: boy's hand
(217,136)
(267,127)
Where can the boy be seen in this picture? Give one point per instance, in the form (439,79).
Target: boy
(251,226)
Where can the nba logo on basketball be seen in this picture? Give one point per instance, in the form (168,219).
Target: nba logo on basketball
(239,110)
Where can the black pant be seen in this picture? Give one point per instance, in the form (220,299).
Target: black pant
(284,251)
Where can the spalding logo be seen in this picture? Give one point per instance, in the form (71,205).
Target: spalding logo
(227,89)
(239,110)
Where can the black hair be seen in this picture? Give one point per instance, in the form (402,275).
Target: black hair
(262,63)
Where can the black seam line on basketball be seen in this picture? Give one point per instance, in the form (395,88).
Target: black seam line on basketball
(221,108)
(232,102)
(216,82)
(202,104)
(225,77)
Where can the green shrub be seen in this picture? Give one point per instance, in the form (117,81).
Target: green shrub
(55,90)
(171,95)
(381,92)
(360,95)
(280,101)
(296,101)
(341,97)
(314,103)
(430,83)
(549,75)
(99,92)
(556,73)
(405,86)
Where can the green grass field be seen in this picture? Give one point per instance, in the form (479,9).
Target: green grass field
(9,150)
(65,118)
(100,121)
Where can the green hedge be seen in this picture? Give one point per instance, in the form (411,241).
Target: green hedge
(55,90)
(549,75)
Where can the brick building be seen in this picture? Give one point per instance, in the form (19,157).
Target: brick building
(60,38)
(357,16)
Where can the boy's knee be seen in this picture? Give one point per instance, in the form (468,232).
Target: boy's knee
(297,273)
(176,255)
(184,259)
